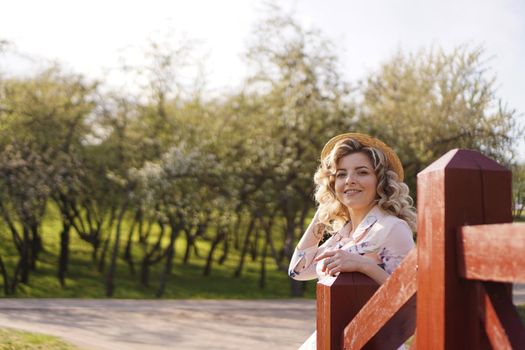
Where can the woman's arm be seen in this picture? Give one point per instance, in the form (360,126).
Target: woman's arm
(313,234)
(337,261)
(302,266)
(375,272)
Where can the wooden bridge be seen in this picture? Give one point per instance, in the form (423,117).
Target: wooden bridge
(454,290)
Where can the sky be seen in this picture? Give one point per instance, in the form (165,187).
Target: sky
(91,37)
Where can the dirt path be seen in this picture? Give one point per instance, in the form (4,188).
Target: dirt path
(176,324)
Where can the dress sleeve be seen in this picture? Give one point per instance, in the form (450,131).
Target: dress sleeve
(302,265)
(397,244)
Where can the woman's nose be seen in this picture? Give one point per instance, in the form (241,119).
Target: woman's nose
(349,178)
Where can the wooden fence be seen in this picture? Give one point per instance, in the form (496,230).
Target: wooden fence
(453,291)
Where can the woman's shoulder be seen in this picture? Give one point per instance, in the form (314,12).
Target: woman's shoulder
(394,234)
(391,222)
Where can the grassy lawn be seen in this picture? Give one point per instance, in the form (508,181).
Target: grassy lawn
(186,281)
(11,339)
(521,312)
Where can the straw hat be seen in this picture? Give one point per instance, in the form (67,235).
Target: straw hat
(367,141)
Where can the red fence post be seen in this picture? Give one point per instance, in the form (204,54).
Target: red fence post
(461,188)
(389,318)
(339,299)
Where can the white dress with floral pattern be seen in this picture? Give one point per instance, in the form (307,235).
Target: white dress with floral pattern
(382,237)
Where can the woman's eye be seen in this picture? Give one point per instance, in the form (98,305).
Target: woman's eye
(340,175)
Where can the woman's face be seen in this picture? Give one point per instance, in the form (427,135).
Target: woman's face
(356,182)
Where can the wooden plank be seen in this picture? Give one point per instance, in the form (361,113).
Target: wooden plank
(492,252)
(500,318)
(375,325)
(339,299)
(430,225)
(462,187)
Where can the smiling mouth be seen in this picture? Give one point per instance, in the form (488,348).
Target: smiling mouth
(351,191)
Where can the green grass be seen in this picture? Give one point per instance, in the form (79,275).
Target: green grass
(520,219)
(521,312)
(186,282)
(11,339)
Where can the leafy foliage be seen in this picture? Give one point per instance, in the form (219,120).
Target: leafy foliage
(428,103)
(133,174)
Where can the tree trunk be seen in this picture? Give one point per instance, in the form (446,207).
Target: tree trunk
(251,226)
(190,240)
(151,257)
(144,272)
(189,244)
(275,255)
(255,244)
(225,250)
(297,288)
(237,230)
(209,261)
(128,256)
(196,251)
(63,258)
(105,247)
(3,270)
(262,279)
(36,245)
(24,257)
(98,238)
(110,278)
(16,276)
(169,261)
(289,239)
(94,252)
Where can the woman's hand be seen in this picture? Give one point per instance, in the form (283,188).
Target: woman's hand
(336,261)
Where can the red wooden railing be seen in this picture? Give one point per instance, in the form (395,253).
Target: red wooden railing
(461,272)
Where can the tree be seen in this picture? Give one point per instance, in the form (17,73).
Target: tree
(48,112)
(518,189)
(23,196)
(305,103)
(170,191)
(427,103)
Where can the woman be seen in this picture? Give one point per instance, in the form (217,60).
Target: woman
(366,208)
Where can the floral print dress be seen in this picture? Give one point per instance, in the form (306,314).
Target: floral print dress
(382,237)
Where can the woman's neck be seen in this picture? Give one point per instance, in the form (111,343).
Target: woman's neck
(357,215)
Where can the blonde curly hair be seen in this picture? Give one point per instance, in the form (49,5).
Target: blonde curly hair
(392,194)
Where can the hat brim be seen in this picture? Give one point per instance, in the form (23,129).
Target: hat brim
(367,141)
